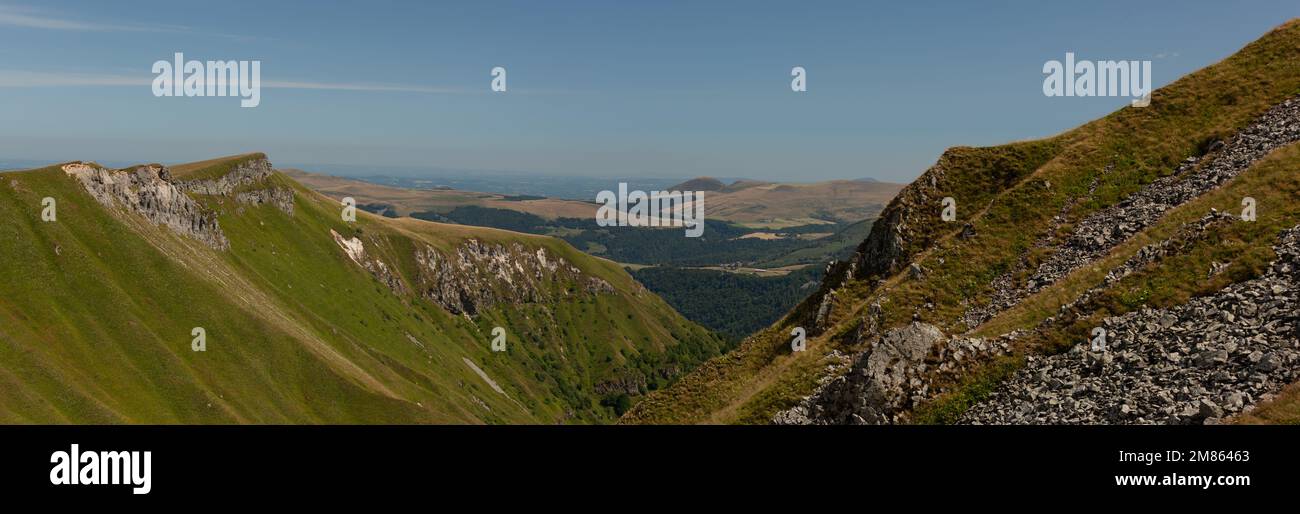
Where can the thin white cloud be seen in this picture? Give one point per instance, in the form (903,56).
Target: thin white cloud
(25,18)
(18,78)
(360,87)
(21,78)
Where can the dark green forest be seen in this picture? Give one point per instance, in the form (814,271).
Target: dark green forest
(720,244)
(751,302)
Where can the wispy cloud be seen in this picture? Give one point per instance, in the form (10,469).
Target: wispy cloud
(399,88)
(27,18)
(12,16)
(19,78)
(22,78)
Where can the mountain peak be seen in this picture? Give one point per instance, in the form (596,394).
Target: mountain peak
(700,184)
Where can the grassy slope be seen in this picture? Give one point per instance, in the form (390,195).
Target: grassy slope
(1242,249)
(1120,152)
(1285,409)
(100,331)
(212,168)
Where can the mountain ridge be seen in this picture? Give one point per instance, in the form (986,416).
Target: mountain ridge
(1016,204)
(99,320)
(751,203)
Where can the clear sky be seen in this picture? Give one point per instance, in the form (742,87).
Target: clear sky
(602,88)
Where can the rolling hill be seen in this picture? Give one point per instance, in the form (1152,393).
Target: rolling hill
(773,205)
(304,317)
(404,202)
(750,203)
(1109,274)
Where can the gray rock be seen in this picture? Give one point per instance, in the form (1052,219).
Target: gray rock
(1202,370)
(888,378)
(1101,231)
(1209,409)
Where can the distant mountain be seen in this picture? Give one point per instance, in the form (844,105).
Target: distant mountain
(550,185)
(406,201)
(780,205)
(699,184)
(752,203)
(304,316)
(743,183)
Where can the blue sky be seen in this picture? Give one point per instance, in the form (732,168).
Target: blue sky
(613,88)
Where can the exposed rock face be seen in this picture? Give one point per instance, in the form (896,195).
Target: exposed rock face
(149,191)
(883,251)
(280,197)
(356,250)
(1103,230)
(479,275)
(885,382)
(1195,363)
(824,310)
(249,172)
(630,382)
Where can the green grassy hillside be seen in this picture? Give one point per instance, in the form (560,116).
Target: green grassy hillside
(97,308)
(1009,195)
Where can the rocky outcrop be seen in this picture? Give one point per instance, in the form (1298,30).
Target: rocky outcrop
(884,250)
(243,173)
(1099,233)
(886,381)
(630,382)
(356,250)
(1195,363)
(248,172)
(281,198)
(150,192)
(478,275)
(153,192)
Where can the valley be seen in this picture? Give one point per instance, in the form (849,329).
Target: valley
(1054,243)
(1137,269)
(781,258)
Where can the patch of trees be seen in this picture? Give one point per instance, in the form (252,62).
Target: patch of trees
(382,209)
(732,304)
(489,217)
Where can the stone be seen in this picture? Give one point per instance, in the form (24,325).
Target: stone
(1208,409)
